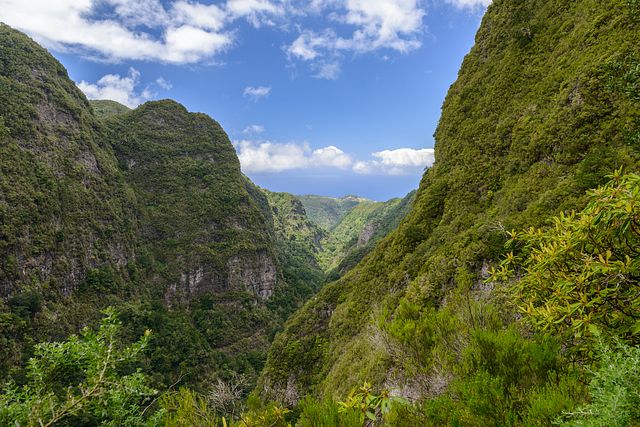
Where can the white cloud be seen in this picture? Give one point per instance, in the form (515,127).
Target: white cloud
(269,157)
(332,157)
(380,24)
(255,93)
(272,157)
(196,31)
(117,88)
(257,12)
(469,3)
(208,17)
(396,162)
(149,13)
(163,83)
(256,157)
(253,129)
(114,30)
(122,89)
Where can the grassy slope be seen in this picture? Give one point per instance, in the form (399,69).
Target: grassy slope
(545,105)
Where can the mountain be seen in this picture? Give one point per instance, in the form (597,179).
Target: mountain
(357,233)
(544,107)
(64,205)
(327,212)
(145,210)
(105,108)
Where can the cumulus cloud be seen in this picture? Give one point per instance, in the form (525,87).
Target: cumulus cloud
(396,162)
(117,88)
(381,24)
(267,156)
(257,157)
(114,30)
(195,31)
(122,89)
(253,129)
(255,93)
(331,156)
(272,157)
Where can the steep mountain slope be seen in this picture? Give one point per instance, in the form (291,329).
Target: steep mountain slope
(297,242)
(545,105)
(145,210)
(358,231)
(201,226)
(64,206)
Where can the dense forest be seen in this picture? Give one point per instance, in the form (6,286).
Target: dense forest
(144,280)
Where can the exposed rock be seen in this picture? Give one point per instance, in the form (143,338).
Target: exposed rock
(255,273)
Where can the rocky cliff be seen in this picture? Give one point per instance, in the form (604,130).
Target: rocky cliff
(145,210)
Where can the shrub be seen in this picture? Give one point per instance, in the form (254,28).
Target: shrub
(585,270)
(81,381)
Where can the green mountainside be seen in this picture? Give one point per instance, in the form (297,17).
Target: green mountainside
(64,205)
(338,233)
(545,106)
(144,210)
(503,292)
(106,108)
(357,233)
(327,212)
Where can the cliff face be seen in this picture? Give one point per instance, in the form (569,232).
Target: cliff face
(145,210)
(64,206)
(545,105)
(200,222)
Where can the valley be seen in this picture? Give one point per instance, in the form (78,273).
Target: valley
(146,280)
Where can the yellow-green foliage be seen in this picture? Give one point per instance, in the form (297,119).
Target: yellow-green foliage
(584,271)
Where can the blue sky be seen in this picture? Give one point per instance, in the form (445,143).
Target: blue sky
(329,97)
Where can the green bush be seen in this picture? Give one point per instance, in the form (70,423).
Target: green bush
(87,380)
(614,390)
(584,270)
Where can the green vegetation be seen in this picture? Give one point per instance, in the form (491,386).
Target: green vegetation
(327,212)
(297,242)
(359,231)
(613,390)
(145,210)
(470,323)
(346,229)
(104,108)
(87,380)
(585,270)
(543,109)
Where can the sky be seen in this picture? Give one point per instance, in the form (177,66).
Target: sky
(329,97)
